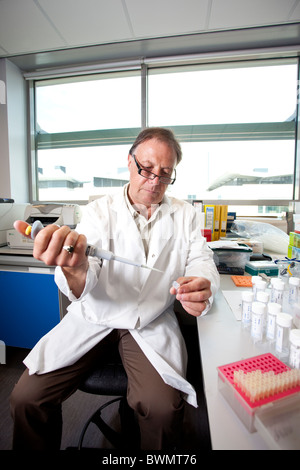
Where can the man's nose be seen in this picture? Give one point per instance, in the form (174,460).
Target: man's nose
(155,180)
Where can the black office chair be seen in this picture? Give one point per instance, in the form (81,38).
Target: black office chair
(110,379)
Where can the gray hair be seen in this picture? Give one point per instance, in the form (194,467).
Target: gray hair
(161,134)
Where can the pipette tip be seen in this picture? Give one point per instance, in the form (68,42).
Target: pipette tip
(153,269)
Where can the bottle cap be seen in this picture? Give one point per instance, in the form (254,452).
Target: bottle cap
(295,281)
(247,296)
(274,308)
(258,307)
(262,296)
(284,319)
(260,284)
(295,337)
(278,284)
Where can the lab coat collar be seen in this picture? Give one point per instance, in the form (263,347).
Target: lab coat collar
(120,199)
(164,227)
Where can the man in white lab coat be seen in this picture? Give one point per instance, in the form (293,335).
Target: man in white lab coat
(114,302)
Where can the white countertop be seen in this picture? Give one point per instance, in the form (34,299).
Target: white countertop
(222,341)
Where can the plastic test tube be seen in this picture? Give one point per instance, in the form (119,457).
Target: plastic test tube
(254,280)
(257,324)
(277,291)
(294,283)
(283,326)
(247,299)
(294,356)
(259,286)
(272,311)
(263,297)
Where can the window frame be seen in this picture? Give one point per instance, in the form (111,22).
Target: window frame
(254,131)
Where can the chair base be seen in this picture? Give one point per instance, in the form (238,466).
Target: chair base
(127,438)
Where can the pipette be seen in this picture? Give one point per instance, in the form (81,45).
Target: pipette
(91,250)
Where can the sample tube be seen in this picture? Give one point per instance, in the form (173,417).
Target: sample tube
(272,311)
(283,326)
(263,297)
(247,299)
(294,283)
(277,291)
(254,280)
(260,286)
(294,357)
(296,315)
(257,323)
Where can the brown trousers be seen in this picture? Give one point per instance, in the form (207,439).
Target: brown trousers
(36,399)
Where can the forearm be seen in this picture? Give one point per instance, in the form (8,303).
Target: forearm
(76,279)
(73,284)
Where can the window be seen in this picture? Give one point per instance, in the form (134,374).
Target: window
(82,126)
(236,124)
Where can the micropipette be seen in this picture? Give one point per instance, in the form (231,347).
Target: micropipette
(91,250)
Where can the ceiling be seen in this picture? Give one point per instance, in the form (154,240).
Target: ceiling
(39,33)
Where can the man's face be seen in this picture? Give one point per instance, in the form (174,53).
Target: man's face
(154,156)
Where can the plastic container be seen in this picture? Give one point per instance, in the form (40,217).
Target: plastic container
(257,321)
(259,286)
(277,291)
(278,424)
(266,267)
(232,257)
(294,357)
(296,315)
(262,296)
(240,403)
(247,299)
(294,283)
(283,326)
(273,309)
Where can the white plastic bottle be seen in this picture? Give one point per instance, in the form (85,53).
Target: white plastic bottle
(283,327)
(294,284)
(274,279)
(254,280)
(263,297)
(260,286)
(296,315)
(277,291)
(257,322)
(272,311)
(294,357)
(247,299)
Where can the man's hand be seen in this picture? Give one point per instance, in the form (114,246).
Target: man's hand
(193,294)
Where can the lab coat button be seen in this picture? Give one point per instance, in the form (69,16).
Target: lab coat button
(153,256)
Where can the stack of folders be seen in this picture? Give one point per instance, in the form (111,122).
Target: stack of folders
(216,220)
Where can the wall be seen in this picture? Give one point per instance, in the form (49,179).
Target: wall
(13,134)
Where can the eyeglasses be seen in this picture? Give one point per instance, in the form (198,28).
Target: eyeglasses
(151,176)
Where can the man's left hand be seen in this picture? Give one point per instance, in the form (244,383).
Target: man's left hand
(193,294)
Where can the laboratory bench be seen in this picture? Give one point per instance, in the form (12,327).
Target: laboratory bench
(222,341)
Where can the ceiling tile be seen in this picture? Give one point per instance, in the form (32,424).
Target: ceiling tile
(167,17)
(89,21)
(23,28)
(243,13)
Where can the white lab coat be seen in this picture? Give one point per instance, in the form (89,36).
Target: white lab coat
(118,295)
